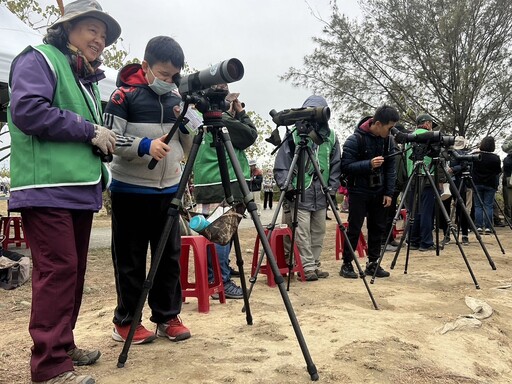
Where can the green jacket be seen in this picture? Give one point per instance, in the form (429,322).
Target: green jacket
(207,181)
(322,156)
(38,163)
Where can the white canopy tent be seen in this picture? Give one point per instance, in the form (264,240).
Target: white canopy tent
(16,36)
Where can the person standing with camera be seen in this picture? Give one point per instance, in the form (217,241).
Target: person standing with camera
(208,189)
(421,233)
(311,212)
(371,185)
(55,122)
(142,110)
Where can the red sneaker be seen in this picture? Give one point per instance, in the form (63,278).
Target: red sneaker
(141,335)
(174,330)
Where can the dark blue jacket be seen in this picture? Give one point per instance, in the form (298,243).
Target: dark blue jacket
(356,162)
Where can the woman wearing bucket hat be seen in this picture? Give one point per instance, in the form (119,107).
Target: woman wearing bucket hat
(57,132)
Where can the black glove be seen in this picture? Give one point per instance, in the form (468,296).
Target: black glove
(290,194)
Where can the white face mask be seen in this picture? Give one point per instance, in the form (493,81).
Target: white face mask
(161,87)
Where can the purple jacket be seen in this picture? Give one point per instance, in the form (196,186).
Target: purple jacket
(32,87)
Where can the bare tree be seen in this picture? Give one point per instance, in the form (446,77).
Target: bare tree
(450,58)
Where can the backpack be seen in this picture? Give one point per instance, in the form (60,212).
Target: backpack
(14,269)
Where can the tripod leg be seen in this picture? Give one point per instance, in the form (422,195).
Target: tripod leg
(172,217)
(271,226)
(239,263)
(325,189)
(467,217)
(409,225)
(301,193)
(226,184)
(252,209)
(478,236)
(390,233)
(448,221)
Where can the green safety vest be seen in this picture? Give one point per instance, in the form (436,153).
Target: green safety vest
(39,163)
(322,156)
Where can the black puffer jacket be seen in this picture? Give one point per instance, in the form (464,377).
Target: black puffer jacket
(356,162)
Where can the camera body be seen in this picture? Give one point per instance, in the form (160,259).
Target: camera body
(376,180)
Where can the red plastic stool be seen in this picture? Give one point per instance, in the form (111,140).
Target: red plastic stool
(277,246)
(396,232)
(200,288)
(361,249)
(18,235)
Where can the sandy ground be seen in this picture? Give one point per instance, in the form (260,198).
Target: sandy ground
(345,338)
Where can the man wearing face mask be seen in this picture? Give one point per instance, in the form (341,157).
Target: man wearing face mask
(141,110)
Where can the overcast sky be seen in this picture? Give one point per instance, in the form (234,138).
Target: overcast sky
(267,36)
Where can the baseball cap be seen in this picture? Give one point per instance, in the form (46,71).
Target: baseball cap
(425,117)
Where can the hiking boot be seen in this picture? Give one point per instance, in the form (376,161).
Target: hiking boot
(431,248)
(309,276)
(233,291)
(446,240)
(347,271)
(321,274)
(370,270)
(465,240)
(68,378)
(141,335)
(414,247)
(83,356)
(174,330)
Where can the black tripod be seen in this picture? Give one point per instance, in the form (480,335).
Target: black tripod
(468,180)
(212,115)
(417,181)
(299,160)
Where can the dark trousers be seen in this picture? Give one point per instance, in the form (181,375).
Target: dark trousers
(390,215)
(59,241)
(462,221)
(443,224)
(139,220)
(267,197)
(421,233)
(372,208)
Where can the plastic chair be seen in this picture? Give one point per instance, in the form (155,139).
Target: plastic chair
(277,246)
(361,249)
(200,287)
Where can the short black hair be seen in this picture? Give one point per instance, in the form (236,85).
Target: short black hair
(488,144)
(164,49)
(385,114)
